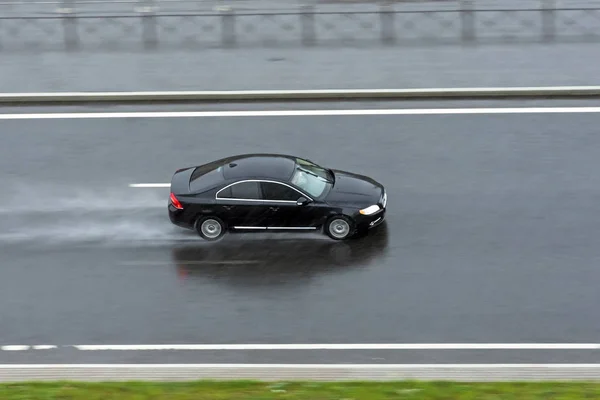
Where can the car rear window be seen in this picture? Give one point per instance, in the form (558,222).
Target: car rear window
(205,177)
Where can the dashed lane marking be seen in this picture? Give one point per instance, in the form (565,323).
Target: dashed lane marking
(15,348)
(198,262)
(149,185)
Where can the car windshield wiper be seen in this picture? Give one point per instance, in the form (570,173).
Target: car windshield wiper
(316,175)
(332,180)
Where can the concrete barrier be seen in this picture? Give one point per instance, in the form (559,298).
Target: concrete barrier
(60,98)
(324,372)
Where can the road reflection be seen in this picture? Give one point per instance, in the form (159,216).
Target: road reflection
(279,260)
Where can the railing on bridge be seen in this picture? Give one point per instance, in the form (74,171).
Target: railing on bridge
(128,24)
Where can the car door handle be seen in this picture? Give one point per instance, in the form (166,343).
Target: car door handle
(273,208)
(228,207)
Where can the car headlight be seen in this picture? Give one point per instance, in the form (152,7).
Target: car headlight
(370,210)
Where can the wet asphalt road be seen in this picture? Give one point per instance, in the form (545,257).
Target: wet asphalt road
(491,237)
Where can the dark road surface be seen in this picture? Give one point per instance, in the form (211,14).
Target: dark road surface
(491,236)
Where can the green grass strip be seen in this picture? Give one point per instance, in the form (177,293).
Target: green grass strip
(249,390)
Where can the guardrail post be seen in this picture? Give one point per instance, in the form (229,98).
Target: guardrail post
(228,27)
(467,17)
(307,24)
(148,16)
(548,9)
(70,24)
(387,24)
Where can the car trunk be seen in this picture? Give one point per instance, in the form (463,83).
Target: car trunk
(180,182)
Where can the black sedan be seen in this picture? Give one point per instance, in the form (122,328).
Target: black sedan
(258,192)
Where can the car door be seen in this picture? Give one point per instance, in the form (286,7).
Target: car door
(287,214)
(243,204)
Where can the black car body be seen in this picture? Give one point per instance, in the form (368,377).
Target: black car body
(257,192)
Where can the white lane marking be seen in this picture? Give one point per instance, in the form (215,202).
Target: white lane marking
(317,346)
(44,347)
(170,93)
(302,366)
(350,346)
(149,185)
(302,113)
(14,348)
(225,262)
(298,366)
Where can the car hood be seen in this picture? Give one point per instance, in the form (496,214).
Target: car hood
(350,188)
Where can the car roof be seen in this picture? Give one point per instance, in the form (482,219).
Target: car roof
(258,166)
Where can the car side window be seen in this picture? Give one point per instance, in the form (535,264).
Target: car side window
(242,190)
(225,193)
(277,191)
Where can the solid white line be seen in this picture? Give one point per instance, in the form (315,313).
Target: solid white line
(302,113)
(296,366)
(303,91)
(316,346)
(348,346)
(149,185)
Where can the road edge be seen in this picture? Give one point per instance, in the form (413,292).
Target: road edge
(316,372)
(58,98)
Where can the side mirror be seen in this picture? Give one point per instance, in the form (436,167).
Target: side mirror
(302,201)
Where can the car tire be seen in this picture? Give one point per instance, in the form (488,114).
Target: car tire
(339,227)
(210,228)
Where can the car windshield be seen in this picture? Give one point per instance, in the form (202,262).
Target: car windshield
(311,178)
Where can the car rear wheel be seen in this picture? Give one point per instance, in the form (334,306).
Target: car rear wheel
(210,228)
(339,227)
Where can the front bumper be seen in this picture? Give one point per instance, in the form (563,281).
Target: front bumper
(366,222)
(378,221)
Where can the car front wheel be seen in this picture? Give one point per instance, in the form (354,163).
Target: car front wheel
(339,227)
(210,228)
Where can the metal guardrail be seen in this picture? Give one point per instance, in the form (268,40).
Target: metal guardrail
(336,95)
(384,24)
